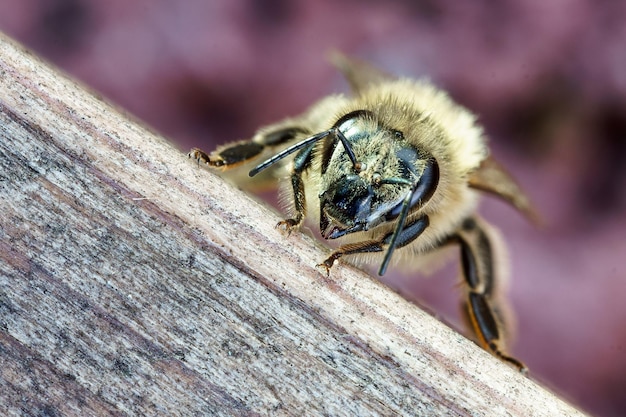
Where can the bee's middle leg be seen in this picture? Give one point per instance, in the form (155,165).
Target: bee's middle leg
(237,153)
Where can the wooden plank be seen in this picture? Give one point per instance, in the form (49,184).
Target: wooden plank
(133,282)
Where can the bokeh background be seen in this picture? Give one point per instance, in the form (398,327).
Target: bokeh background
(547,79)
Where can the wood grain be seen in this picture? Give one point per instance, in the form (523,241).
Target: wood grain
(134,283)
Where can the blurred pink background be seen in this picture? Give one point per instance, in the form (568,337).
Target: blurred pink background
(548,80)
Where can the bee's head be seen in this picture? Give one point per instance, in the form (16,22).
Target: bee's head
(368,188)
(346,206)
(369,179)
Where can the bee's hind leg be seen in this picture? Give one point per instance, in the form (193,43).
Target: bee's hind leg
(483,304)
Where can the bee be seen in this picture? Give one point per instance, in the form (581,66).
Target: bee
(397,167)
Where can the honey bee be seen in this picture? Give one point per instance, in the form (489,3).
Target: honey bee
(397,167)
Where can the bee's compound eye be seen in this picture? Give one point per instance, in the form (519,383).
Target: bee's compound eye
(423,190)
(349,124)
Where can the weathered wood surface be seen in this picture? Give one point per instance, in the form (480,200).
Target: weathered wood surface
(132,282)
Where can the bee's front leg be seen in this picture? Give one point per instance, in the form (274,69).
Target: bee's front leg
(409,233)
(483,304)
(301,162)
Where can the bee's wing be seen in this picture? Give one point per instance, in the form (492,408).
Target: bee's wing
(491,177)
(359,74)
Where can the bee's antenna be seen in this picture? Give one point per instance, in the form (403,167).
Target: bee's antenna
(416,228)
(419,192)
(346,145)
(289,151)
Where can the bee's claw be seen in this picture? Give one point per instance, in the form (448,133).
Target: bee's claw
(199,156)
(325,266)
(287,225)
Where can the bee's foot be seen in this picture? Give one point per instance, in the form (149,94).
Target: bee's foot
(199,156)
(326,265)
(288,225)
